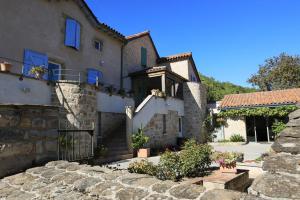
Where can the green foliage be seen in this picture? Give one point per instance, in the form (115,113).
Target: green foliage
(142,167)
(237,138)
(216,90)
(279,72)
(227,158)
(277,127)
(195,158)
(280,111)
(139,139)
(169,167)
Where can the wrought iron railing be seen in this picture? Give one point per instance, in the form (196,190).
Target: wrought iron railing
(75,145)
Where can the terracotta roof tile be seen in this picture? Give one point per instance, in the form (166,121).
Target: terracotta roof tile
(175,57)
(269,98)
(137,35)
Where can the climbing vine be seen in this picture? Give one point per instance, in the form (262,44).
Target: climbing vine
(280,111)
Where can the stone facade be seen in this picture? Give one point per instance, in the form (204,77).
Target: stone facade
(28,136)
(195,102)
(281,180)
(155,129)
(132,57)
(79,105)
(43,30)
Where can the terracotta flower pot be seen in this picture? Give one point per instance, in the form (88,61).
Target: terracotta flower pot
(143,153)
(5,67)
(228,168)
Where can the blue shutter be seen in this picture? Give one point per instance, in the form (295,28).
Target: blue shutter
(72,35)
(77,44)
(54,72)
(93,75)
(33,59)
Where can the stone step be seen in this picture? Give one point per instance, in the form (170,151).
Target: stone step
(115,158)
(118,152)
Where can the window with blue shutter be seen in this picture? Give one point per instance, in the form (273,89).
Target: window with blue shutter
(72,35)
(93,76)
(143,56)
(34,59)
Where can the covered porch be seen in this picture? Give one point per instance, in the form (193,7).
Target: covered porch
(156,78)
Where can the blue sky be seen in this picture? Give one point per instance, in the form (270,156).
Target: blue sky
(228,38)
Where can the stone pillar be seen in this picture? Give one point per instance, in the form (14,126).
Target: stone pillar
(129,125)
(78,104)
(195,105)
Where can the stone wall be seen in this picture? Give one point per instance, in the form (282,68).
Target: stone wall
(154,129)
(282,177)
(195,103)
(28,136)
(109,123)
(79,103)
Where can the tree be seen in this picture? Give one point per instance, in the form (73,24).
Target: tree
(217,89)
(279,72)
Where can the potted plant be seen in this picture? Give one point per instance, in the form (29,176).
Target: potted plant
(5,66)
(38,72)
(227,161)
(110,89)
(122,92)
(139,141)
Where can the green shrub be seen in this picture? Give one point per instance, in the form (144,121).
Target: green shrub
(277,127)
(100,151)
(227,158)
(142,167)
(195,158)
(169,167)
(139,139)
(237,138)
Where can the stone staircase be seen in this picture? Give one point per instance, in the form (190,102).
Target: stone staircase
(116,144)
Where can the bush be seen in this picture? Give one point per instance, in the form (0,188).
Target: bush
(169,167)
(142,167)
(195,158)
(237,138)
(139,139)
(277,127)
(227,158)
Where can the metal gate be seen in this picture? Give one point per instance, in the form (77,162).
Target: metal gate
(75,145)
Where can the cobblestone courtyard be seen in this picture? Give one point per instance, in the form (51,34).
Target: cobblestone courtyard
(63,180)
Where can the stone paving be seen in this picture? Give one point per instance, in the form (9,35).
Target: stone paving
(64,180)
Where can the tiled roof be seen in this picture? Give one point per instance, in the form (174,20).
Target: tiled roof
(100,25)
(175,57)
(269,98)
(137,35)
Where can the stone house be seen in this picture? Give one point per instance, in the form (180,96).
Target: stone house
(258,128)
(96,79)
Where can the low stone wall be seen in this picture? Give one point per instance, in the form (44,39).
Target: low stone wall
(28,136)
(282,177)
(154,129)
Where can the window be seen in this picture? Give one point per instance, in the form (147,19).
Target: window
(143,56)
(98,45)
(179,125)
(72,35)
(33,59)
(54,71)
(94,76)
(164,124)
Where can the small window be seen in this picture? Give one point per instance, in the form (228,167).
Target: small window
(54,71)
(98,45)
(94,76)
(72,35)
(179,125)
(143,57)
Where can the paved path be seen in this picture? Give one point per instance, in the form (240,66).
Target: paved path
(61,180)
(251,150)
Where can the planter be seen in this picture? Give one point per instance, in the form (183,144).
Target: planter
(143,153)
(228,168)
(5,67)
